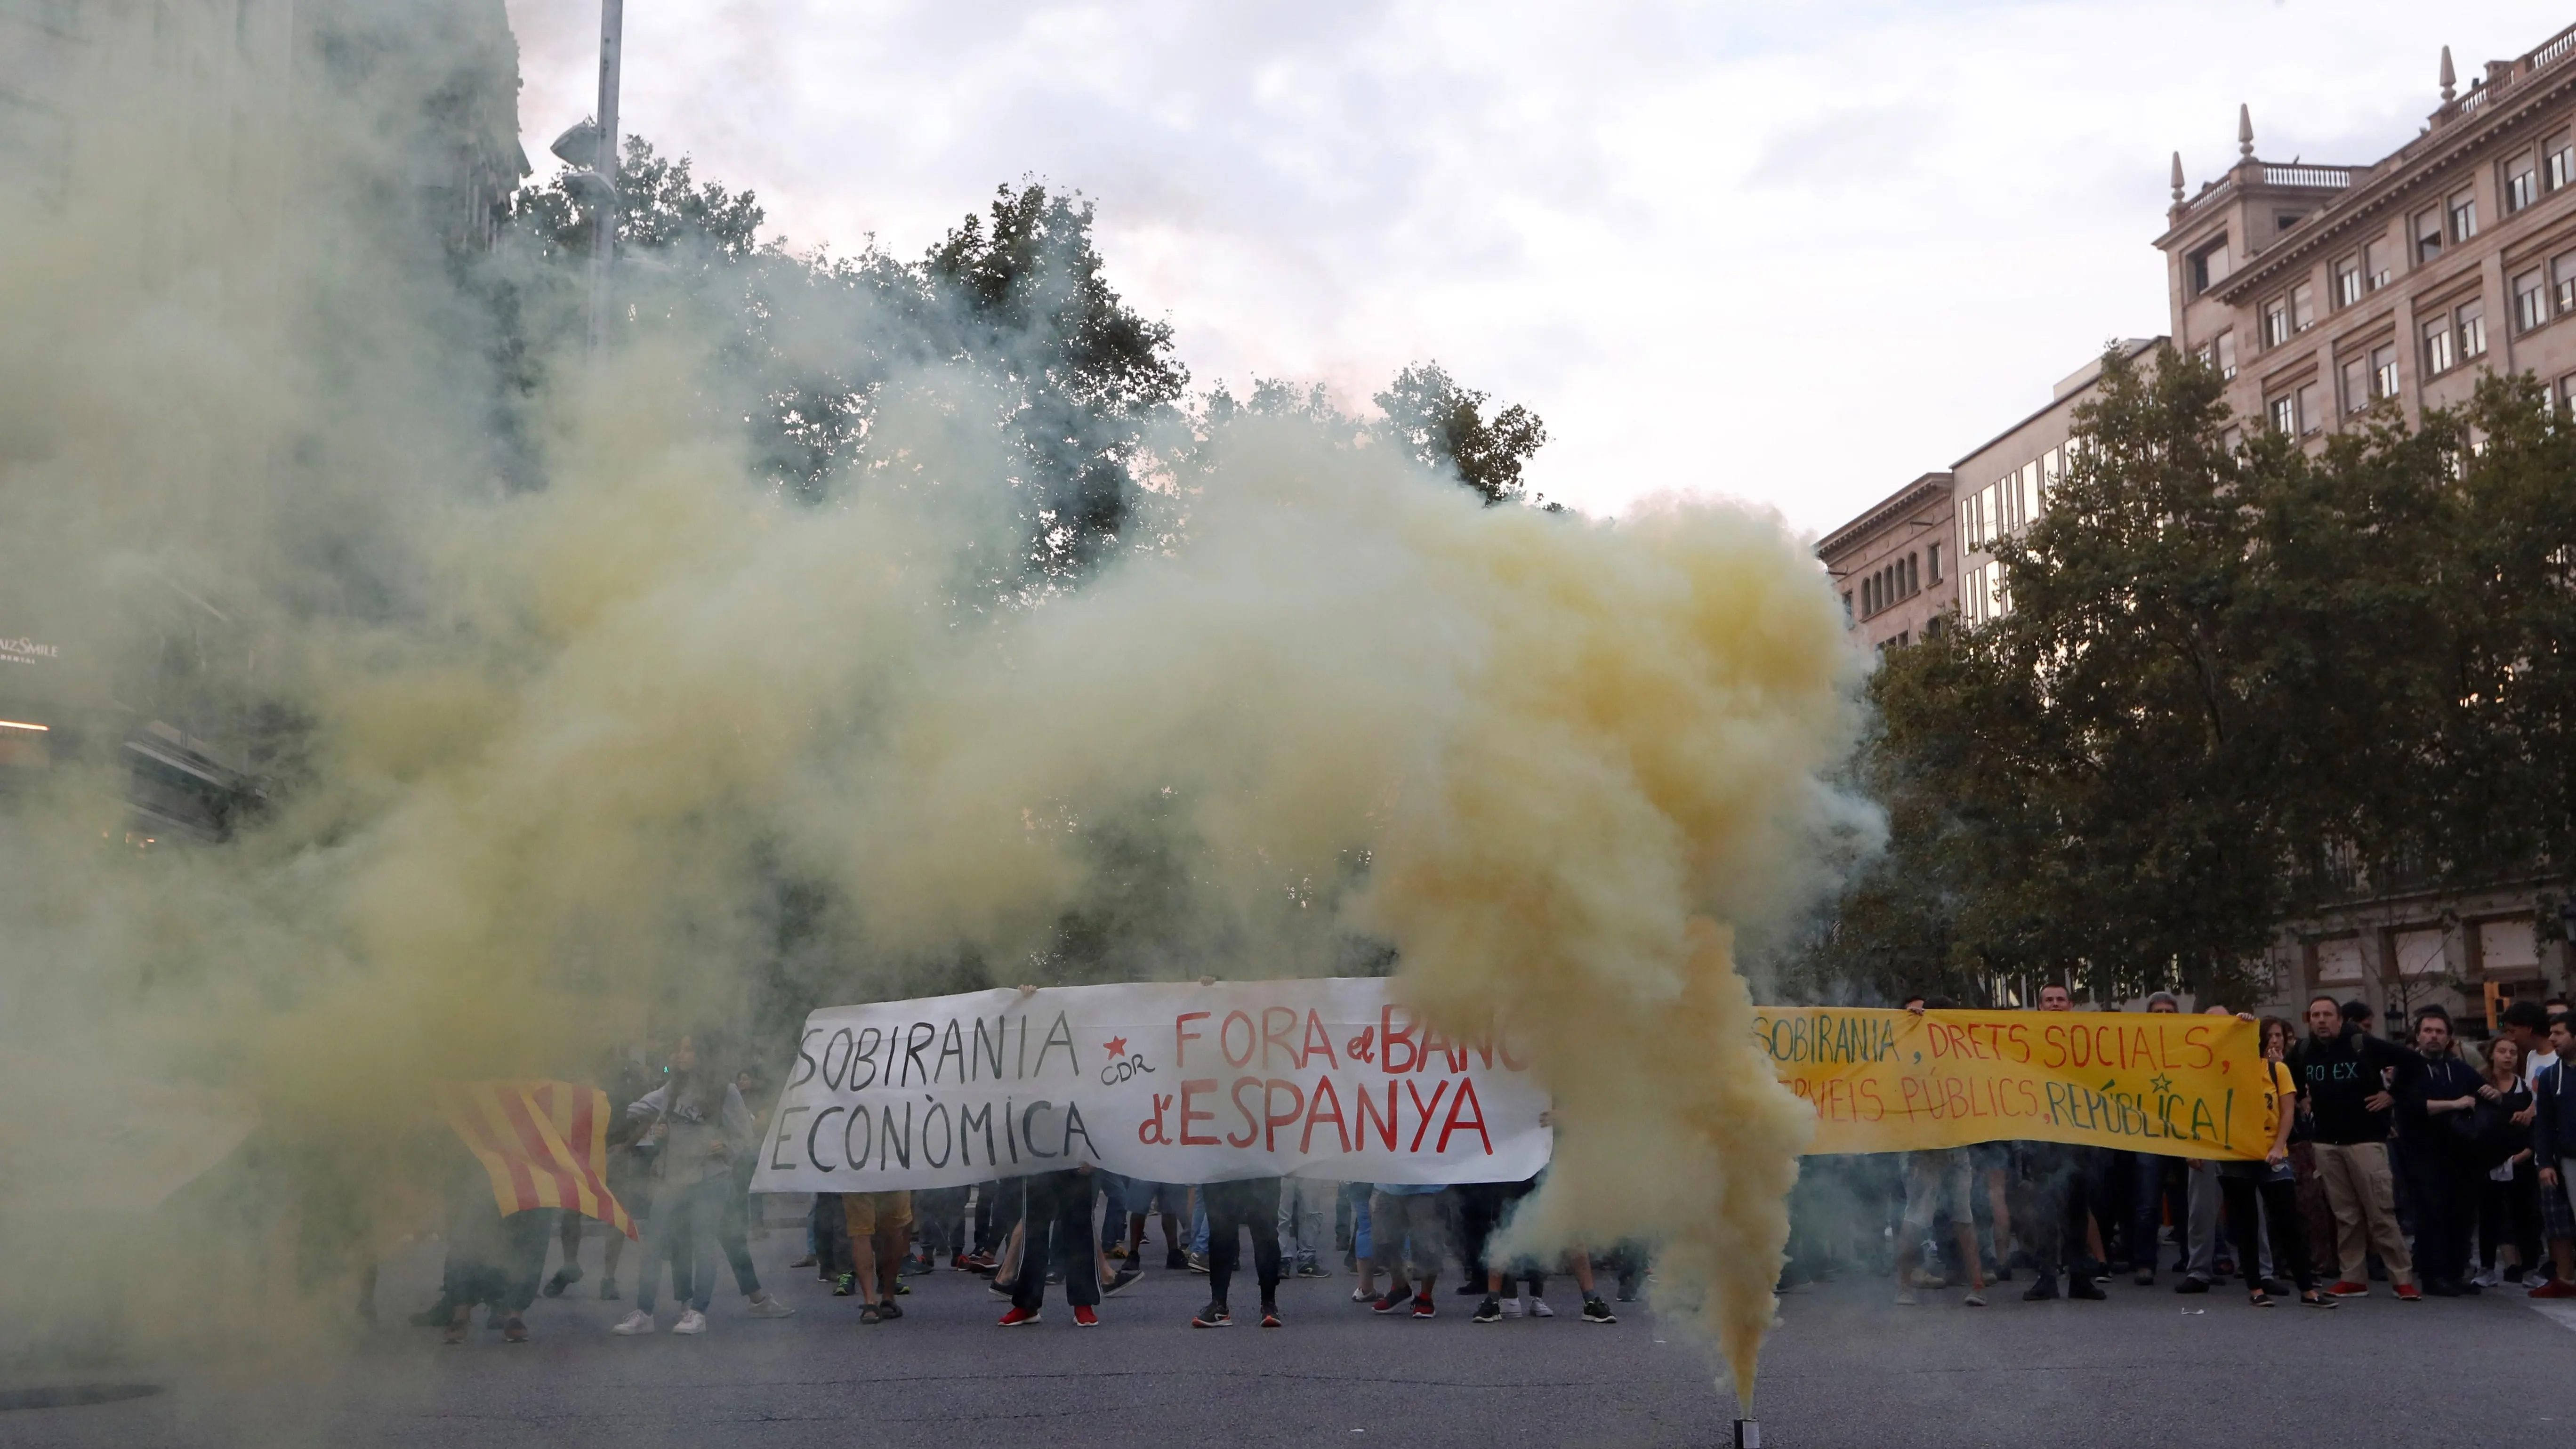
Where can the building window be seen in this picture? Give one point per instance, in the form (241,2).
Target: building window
(2562,161)
(2438,355)
(2567,394)
(2276,321)
(2347,281)
(2356,385)
(2285,414)
(2312,413)
(2383,371)
(2210,266)
(2428,237)
(2224,346)
(2303,307)
(2562,279)
(2374,263)
(2231,440)
(2521,183)
(1932,561)
(2530,301)
(1913,579)
(2472,319)
(2052,469)
(2464,216)
(1849,617)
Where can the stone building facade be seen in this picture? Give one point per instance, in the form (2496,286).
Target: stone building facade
(2325,293)
(1896,565)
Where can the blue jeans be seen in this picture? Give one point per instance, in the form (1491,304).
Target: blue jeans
(1357,1195)
(2155,1179)
(682,1230)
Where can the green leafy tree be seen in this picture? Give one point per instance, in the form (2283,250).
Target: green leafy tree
(1016,298)
(1025,296)
(2234,683)
(1448,427)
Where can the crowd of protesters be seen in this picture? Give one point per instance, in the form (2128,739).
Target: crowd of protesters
(2422,1160)
(681,1162)
(2436,1165)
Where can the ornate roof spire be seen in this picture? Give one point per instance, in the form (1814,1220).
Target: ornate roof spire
(2449,80)
(2245,131)
(2177,178)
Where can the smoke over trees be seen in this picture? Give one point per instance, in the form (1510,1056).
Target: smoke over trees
(1010,321)
(1444,425)
(1017,295)
(2235,682)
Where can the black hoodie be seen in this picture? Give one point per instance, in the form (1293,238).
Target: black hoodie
(2338,1072)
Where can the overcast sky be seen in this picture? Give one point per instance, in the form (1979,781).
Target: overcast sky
(1795,253)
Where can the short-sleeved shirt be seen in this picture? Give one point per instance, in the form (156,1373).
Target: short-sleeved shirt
(2281,1088)
(2532,1065)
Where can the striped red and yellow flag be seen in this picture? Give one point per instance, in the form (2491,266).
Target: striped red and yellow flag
(544,1143)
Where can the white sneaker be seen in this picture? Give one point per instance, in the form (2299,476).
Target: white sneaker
(636,1321)
(691,1322)
(2489,1279)
(1538,1309)
(1512,1308)
(767,1308)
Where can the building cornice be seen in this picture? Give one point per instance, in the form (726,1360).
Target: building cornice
(1887,514)
(2405,172)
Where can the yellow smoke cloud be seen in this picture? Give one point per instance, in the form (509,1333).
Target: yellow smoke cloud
(562,744)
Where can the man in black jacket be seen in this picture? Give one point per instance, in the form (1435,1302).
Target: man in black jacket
(2342,1070)
(2061,1191)
(2434,1114)
(2553,1146)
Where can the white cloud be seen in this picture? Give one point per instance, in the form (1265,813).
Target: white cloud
(1791,253)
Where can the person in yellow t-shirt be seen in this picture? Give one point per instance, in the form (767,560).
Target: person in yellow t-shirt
(2271,1183)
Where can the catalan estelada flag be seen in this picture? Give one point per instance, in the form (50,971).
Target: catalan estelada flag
(544,1143)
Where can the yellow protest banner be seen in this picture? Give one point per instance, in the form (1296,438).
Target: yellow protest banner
(1888,1081)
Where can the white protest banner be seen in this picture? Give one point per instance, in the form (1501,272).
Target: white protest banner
(1165,1082)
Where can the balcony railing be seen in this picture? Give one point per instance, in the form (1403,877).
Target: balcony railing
(2558,47)
(2332,177)
(2506,76)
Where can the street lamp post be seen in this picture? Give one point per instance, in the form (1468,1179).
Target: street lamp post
(603,235)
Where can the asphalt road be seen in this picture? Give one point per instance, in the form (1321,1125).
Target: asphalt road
(2148,1368)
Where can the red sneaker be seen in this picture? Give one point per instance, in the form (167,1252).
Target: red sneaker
(2349,1289)
(1423,1307)
(2555,1288)
(1083,1317)
(2409,1293)
(1018,1316)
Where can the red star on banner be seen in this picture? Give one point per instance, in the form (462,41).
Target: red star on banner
(1116,1046)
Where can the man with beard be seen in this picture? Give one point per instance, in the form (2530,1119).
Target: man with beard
(2442,1175)
(2063,1201)
(2341,1069)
